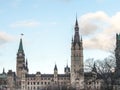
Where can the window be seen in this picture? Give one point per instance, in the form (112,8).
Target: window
(45,78)
(37,83)
(37,88)
(89,83)
(48,78)
(28,88)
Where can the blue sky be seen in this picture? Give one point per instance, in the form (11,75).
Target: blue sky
(48,27)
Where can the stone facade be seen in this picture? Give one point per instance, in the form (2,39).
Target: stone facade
(72,79)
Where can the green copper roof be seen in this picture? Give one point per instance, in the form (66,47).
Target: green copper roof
(119,37)
(2,76)
(20,46)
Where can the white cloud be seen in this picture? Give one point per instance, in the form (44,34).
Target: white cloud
(92,22)
(25,24)
(100,29)
(4,38)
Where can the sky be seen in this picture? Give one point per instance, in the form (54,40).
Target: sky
(48,27)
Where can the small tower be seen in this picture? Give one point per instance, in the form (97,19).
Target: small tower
(27,66)
(77,68)
(67,70)
(3,71)
(55,74)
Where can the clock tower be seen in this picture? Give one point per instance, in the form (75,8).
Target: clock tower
(20,60)
(77,68)
(21,64)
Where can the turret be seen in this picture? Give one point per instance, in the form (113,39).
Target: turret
(67,70)
(27,66)
(55,74)
(3,71)
(55,69)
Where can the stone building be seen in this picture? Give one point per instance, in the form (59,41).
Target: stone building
(74,77)
(3,81)
(11,80)
(38,81)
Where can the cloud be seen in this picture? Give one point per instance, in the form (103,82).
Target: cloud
(91,22)
(25,24)
(99,29)
(4,38)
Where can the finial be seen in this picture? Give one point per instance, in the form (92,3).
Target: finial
(76,15)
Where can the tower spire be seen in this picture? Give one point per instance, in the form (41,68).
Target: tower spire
(26,64)
(20,45)
(76,23)
(76,35)
(55,68)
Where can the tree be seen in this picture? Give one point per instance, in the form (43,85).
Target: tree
(105,70)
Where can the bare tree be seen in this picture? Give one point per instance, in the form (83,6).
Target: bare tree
(105,70)
(88,64)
